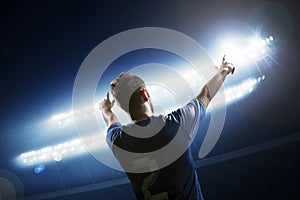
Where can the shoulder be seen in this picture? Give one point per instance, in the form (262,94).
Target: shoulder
(192,109)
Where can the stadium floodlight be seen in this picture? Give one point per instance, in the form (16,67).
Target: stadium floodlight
(236,92)
(244,52)
(60,151)
(66,119)
(62,119)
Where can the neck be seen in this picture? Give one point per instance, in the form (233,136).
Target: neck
(142,113)
(139,117)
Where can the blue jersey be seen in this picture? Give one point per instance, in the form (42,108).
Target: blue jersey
(177,180)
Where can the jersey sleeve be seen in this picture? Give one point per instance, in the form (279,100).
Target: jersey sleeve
(114,131)
(190,116)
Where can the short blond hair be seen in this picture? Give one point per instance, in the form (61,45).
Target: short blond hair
(126,91)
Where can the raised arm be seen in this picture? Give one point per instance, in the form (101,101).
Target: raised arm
(105,106)
(210,89)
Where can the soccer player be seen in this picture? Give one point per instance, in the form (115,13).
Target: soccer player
(177,180)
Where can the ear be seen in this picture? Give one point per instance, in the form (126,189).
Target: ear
(144,94)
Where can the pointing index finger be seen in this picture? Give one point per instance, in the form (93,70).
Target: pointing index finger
(223,60)
(107,96)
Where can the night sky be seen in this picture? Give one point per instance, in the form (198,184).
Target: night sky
(43,44)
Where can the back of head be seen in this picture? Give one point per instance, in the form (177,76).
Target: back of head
(126,91)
